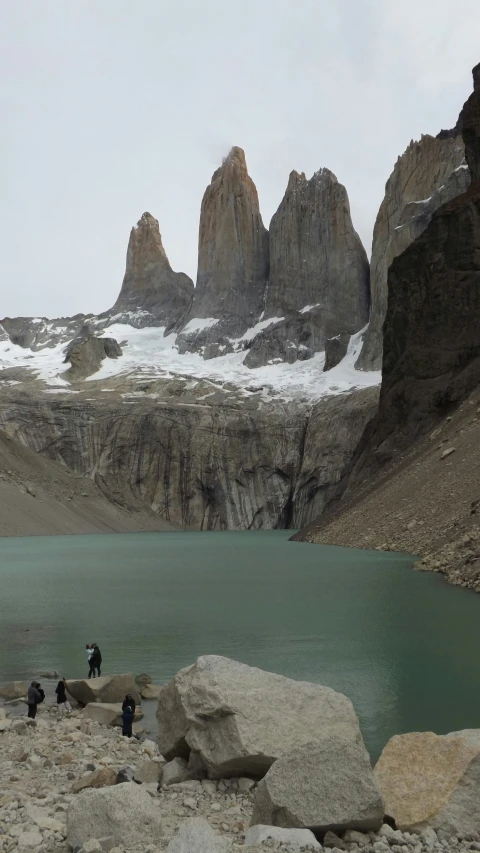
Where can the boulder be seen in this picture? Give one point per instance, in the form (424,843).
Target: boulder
(108,688)
(431,780)
(150,691)
(149,771)
(101,778)
(293,839)
(174,771)
(142,679)
(323,785)
(241,719)
(195,835)
(335,350)
(107,714)
(125,812)
(13,690)
(87,353)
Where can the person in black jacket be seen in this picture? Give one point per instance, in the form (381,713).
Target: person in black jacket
(129,702)
(128,715)
(62,701)
(34,697)
(96,660)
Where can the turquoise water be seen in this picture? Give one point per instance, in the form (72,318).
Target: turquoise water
(401,644)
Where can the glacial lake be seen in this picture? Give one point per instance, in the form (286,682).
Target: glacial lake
(403,645)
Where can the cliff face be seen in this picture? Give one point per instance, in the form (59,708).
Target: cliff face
(150,286)
(429,173)
(208,467)
(316,256)
(414,478)
(232,256)
(319,272)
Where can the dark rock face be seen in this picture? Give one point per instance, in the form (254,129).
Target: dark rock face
(232,256)
(429,174)
(86,355)
(319,272)
(150,286)
(316,256)
(471,127)
(431,359)
(335,350)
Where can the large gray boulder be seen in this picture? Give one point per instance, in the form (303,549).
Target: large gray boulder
(108,714)
(324,785)
(86,355)
(197,836)
(431,780)
(126,813)
(108,688)
(13,690)
(240,719)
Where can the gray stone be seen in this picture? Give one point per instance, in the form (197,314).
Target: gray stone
(174,771)
(107,689)
(123,812)
(28,840)
(86,355)
(149,771)
(108,713)
(13,690)
(295,839)
(331,841)
(240,718)
(195,835)
(323,785)
(335,350)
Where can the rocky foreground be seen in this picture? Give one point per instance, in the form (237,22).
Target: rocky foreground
(303,781)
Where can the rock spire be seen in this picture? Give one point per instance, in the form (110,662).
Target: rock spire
(150,286)
(232,252)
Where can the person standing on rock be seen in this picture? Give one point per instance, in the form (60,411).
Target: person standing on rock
(96,660)
(62,701)
(128,716)
(34,697)
(129,702)
(89,649)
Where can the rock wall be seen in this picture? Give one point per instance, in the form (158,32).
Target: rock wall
(232,256)
(429,174)
(319,272)
(205,467)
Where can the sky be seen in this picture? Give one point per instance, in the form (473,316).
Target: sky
(110,108)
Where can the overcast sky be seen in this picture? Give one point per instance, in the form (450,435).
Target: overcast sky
(111,107)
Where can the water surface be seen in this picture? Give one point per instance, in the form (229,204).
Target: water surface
(401,644)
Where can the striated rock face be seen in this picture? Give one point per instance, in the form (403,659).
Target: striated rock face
(316,256)
(232,255)
(319,273)
(212,467)
(429,174)
(150,286)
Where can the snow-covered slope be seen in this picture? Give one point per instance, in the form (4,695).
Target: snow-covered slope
(148,354)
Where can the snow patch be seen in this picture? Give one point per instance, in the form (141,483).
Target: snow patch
(198,324)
